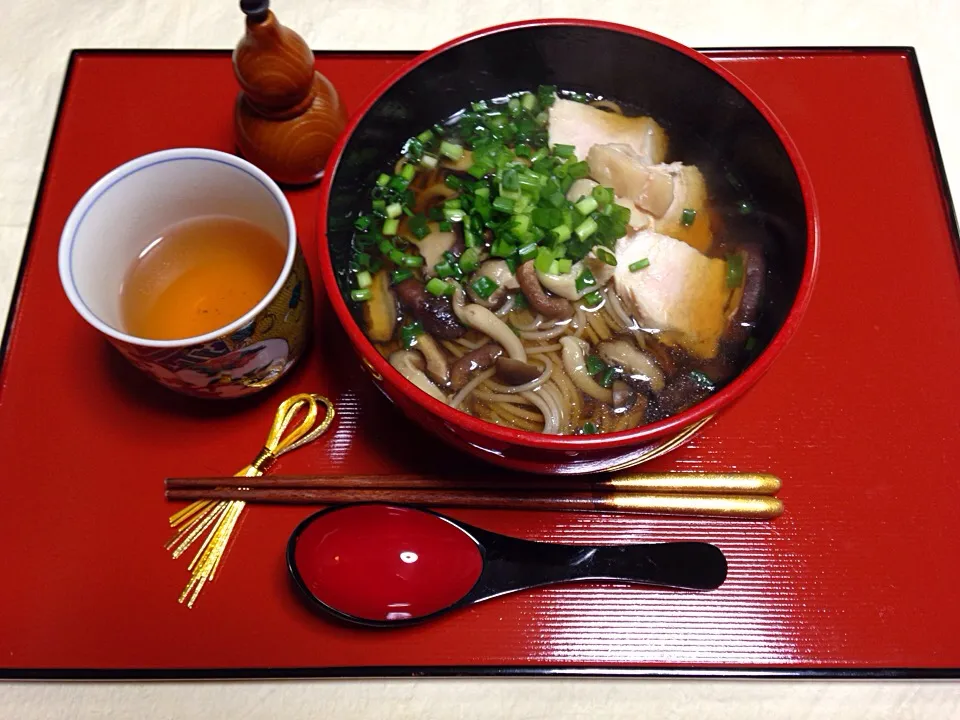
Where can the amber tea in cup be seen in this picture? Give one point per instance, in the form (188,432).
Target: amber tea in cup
(199,275)
(187,261)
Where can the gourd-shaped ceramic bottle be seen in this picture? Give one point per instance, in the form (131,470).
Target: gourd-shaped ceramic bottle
(287,115)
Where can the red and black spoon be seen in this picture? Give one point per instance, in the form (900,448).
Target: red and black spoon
(393,565)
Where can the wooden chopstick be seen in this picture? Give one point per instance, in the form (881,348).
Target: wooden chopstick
(663,494)
(656,483)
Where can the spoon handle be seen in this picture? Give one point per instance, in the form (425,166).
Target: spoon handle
(512,564)
(691,565)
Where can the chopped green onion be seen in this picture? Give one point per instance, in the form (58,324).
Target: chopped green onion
(470,238)
(503,204)
(382,179)
(578,170)
(734,270)
(605,255)
(639,264)
(364,279)
(407,172)
(702,380)
(587,228)
(470,260)
(502,248)
(454,214)
(418,226)
(528,101)
(362,223)
(409,333)
(589,428)
(510,179)
(398,276)
(544,260)
(385,246)
(363,259)
(521,224)
(527,252)
(592,299)
(562,233)
(394,210)
(606,380)
(482,192)
(484,286)
(595,365)
(411,261)
(398,183)
(429,161)
(586,205)
(523,150)
(390,226)
(603,195)
(554,268)
(513,104)
(379,206)
(556,199)
(547,218)
(447,269)
(563,151)
(584,280)
(361,295)
(437,287)
(688,216)
(520,300)
(452,203)
(396,256)
(564,266)
(451,150)
(407,211)
(453,182)
(477,170)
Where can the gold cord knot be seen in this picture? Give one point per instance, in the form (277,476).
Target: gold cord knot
(218,518)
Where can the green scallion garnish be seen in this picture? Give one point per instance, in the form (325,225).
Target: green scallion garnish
(451,150)
(390,226)
(592,299)
(688,216)
(398,276)
(361,295)
(734,270)
(484,286)
(606,380)
(639,264)
(595,365)
(605,255)
(437,287)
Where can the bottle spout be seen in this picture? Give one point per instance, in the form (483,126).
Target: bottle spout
(255,10)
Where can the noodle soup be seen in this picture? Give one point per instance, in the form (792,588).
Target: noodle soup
(543,261)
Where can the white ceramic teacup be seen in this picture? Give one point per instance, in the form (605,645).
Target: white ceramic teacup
(128,208)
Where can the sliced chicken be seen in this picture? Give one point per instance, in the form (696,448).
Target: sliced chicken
(663,190)
(682,295)
(583,126)
(584,186)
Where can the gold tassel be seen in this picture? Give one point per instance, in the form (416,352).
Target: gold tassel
(215,521)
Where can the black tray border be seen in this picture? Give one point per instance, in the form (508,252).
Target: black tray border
(769,672)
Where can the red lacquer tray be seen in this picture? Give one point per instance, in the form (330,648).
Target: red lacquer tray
(859,416)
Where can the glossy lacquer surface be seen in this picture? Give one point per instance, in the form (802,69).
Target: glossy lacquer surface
(384,563)
(858,416)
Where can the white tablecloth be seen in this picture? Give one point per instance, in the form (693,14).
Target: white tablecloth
(36,37)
